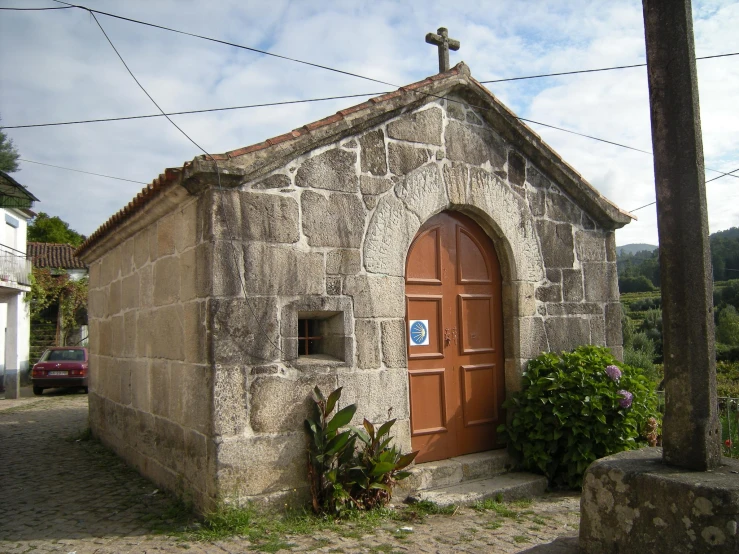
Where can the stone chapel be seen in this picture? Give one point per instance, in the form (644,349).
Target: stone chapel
(416,249)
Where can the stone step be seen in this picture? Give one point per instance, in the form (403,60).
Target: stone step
(457,470)
(507,487)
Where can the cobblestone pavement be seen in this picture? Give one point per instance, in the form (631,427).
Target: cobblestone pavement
(61,493)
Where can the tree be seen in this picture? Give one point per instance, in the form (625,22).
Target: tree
(45,228)
(8,154)
(727,330)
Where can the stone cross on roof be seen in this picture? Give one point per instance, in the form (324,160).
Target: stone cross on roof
(444,43)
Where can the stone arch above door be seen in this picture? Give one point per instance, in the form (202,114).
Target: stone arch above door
(433,188)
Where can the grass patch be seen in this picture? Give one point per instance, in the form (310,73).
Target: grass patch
(538,520)
(417,512)
(520,539)
(499,508)
(522,503)
(82,435)
(493,525)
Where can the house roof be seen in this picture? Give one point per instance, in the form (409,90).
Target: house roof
(250,162)
(13,194)
(53,256)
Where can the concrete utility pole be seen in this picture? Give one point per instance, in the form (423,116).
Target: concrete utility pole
(445,44)
(691,435)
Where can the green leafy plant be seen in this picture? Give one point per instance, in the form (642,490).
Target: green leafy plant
(344,473)
(576,407)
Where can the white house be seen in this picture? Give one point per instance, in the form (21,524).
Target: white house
(15,282)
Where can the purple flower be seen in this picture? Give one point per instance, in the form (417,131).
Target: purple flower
(626,400)
(613,372)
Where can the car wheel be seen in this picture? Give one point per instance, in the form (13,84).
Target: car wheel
(38,391)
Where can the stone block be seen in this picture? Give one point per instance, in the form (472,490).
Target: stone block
(127,257)
(244,331)
(146,286)
(370,201)
(561,208)
(111,267)
(519,299)
(229,402)
(590,246)
(377,296)
(537,202)
(455,109)
(277,181)
(140,385)
(130,319)
(424,127)
(405,158)
(530,337)
(117,336)
(537,179)
(345,262)
(374,185)
(567,333)
(380,395)
(186,226)
(268,218)
(104,338)
(195,328)
(390,232)
(423,191)
(574,308)
(601,282)
(141,249)
(130,292)
(191,387)
(94,274)
(633,502)
(367,335)
(282,270)
(334,221)
(597,331)
(170,450)
(159,387)
(572,288)
(549,293)
(166,281)
(611,246)
(456,178)
(332,170)
(165,236)
(557,246)
(516,169)
(474,145)
(373,153)
(280,405)
(165,332)
(196,460)
(114,297)
(394,351)
(514,368)
(97,303)
(613,324)
(262,464)
(188,275)
(333,285)
(218,270)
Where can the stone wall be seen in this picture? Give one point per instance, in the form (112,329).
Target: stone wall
(150,381)
(329,232)
(194,304)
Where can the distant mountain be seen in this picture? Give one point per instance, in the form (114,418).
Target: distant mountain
(634,248)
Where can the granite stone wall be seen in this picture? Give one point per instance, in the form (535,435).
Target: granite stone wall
(197,380)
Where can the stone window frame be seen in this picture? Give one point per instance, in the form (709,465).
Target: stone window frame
(314,306)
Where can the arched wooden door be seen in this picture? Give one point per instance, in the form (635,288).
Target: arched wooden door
(455,338)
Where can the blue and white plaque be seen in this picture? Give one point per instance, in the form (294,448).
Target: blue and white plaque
(419,332)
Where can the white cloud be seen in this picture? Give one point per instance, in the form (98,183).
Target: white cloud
(57,66)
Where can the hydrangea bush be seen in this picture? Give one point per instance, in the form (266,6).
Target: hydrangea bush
(575,407)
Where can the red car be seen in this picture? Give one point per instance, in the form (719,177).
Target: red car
(60,366)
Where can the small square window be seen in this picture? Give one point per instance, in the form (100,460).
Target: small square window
(308,337)
(321,334)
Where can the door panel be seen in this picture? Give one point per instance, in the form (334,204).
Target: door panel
(455,338)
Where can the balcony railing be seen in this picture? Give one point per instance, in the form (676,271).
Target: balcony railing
(14,266)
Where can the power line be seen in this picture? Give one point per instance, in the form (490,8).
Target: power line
(81,171)
(595,70)
(35,9)
(126,118)
(708,181)
(266,53)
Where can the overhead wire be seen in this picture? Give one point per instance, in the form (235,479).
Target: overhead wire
(81,171)
(36,9)
(729,174)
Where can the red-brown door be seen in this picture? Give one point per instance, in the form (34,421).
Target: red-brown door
(454,332)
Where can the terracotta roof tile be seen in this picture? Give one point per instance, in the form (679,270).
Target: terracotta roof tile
(53,256)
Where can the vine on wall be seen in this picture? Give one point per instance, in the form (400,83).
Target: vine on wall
(49,289)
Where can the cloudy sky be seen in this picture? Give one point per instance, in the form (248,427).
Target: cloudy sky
(57,66)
